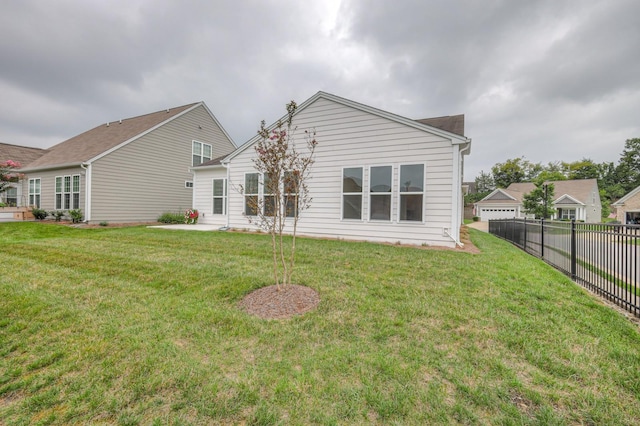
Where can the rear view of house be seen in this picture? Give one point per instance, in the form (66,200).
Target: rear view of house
(377,176)
(127,170)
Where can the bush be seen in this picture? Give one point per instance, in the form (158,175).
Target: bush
(169,217)
(76,215)
(39,213)
(58,215)
(476,218)
(104,223)
(2,204)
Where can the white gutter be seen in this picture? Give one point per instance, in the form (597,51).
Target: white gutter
(87,191)
(457,199)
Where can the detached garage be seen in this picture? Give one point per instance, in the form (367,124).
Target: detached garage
(489,213)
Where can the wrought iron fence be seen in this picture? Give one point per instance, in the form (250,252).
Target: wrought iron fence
(604,258)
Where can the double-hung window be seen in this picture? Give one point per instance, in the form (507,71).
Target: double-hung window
(380,192)
(411,192)
(219,196)
(352,193)
(67,192)
(34,192)
(201,152)
(11,196)
(269,189)
(251,194)
(291,187)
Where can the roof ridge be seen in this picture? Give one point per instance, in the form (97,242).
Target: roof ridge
(151,113)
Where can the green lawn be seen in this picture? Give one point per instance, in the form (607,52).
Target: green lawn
(141,326)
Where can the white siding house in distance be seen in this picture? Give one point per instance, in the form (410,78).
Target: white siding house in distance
(377,176)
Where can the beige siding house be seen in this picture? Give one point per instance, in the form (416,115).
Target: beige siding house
(573,199)
(628,208)
(128,170)
(13,196)
(377,176)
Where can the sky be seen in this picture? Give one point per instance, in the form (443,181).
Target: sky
(547,80)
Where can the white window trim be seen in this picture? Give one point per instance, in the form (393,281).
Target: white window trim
(34,193)
(245,194)
(223,196)
(203,159)
(61,205)
(390,194)
(73,192)
(424,198)
(361,193)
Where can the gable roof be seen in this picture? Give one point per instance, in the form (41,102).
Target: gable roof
(456,139)
(624,199)
(577,190)
(450,123)
(100,140)
(22,154)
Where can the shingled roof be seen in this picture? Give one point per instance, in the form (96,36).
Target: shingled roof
(579,189)
(22,154)
(88,145)
(450,123)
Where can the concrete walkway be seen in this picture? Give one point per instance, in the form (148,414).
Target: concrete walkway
(480,226)
(196,227)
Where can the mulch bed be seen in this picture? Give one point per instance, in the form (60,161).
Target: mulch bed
(285,301)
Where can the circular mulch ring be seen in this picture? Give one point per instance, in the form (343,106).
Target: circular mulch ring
(271,303)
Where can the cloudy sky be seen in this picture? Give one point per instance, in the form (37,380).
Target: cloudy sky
(550,80)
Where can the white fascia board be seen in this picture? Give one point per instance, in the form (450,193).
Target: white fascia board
(622,200)
(138,136)
(494,192)
(568,197)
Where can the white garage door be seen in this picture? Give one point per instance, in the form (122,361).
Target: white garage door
(497,213)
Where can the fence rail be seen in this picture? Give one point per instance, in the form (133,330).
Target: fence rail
(604,258)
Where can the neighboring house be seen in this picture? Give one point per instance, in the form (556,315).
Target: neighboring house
(128,170)
(628,208)
(13,196)
(572,199)
(377,176)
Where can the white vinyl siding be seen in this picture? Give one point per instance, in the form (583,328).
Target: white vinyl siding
(349,138)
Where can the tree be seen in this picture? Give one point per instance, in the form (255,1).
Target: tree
(583,169)
(8,175)
(484,182)
(539,201)
(285,173)
(511,171)
(628,169)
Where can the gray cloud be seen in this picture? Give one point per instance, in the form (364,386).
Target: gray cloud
(548,80)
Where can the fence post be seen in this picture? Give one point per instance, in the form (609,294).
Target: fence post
(573,249)
(542,238)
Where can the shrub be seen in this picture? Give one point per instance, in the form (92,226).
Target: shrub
(39,214)
(76,215)
(476,218)
(169,217)
(58,215)
(104,223)
(2,204)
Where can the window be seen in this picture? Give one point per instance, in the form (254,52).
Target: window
(188,184)
(219,196)
(11,196)
(268,190)
(291,192)
(201,152)
(67,192)
(34,192)
(411,192)
(380,193)
(251,194)
(567,214)
(352,193)
(76,192)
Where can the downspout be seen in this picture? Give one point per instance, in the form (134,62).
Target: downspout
(226,208)
(87,191)
(459,198)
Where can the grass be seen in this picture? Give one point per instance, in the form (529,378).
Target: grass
(139,326)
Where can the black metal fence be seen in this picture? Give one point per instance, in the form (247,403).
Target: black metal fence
(604,258)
